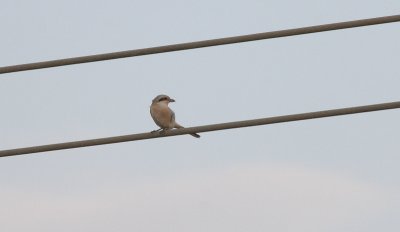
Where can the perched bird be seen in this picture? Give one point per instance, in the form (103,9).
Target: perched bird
(162,115)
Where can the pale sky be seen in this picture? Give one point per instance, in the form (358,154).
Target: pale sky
(332,174)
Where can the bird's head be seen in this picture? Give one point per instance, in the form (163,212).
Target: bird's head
(163,99)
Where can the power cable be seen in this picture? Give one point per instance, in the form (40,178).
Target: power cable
(199,44)
(199,129)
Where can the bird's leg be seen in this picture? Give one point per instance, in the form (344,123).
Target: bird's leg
(156,130)
(164,130)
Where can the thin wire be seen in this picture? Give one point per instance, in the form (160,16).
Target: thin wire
(207,128)
(200,44)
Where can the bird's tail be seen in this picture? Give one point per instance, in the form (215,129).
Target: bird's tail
(177,126)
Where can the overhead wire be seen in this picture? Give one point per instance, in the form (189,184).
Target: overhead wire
(193,45)
(200,44)
(199,129)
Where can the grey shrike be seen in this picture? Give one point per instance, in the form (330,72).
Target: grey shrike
(162,115)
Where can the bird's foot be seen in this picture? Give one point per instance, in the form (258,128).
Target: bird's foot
(163,131)
(154,131)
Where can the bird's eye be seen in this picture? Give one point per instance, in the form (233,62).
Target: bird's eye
(162,99)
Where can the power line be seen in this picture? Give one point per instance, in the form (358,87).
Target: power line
(207,128)
(200,44)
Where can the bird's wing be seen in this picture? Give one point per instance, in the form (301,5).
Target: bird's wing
(172,116)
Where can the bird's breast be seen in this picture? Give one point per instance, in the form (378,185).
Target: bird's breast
(161,115)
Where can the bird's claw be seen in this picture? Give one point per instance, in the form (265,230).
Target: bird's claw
(154,131)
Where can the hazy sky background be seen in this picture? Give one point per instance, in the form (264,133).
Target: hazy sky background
(333,174)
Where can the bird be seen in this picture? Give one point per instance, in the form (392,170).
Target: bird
(163,116)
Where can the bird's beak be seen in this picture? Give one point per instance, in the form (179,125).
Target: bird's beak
(171,100)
